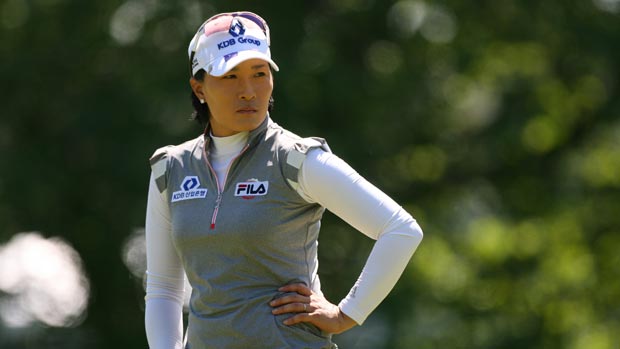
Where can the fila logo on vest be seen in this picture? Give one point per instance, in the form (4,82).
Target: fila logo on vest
(252,188)
(190,189)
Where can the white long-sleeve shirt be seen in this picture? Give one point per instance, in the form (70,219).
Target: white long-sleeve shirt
(324,179)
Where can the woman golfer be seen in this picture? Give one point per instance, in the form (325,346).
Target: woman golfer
(238,210)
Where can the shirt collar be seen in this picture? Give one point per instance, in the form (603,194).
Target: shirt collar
(254,136)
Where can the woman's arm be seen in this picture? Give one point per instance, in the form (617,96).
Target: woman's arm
(165,276)
(326,179)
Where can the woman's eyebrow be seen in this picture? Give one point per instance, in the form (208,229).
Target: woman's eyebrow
(257,66)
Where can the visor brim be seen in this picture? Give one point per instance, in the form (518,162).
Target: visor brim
(222,65)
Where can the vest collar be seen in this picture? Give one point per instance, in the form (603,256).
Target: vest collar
(253,138)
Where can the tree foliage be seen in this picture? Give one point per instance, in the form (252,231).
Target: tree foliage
(496,124)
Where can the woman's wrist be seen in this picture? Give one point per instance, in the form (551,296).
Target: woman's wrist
(346,322)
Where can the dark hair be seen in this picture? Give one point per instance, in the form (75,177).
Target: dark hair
(201,110)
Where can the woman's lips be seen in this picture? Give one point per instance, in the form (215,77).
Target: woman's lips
(246,110)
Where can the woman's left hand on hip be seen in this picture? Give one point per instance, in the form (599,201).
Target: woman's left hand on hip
(308,306)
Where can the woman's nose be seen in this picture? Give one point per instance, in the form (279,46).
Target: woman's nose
(246,90)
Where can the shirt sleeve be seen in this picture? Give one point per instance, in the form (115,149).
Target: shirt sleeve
(329,181)
(165,276)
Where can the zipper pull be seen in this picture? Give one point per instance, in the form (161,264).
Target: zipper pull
(218,201)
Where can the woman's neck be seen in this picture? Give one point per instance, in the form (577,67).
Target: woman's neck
(230,144)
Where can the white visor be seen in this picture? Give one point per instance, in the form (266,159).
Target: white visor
(226,40)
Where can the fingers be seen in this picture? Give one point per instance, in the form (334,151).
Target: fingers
(307,306)
(298,288)
(293,308)
(293,298)
(301,317)
(296,302)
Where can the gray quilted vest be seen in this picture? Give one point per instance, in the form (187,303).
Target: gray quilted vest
(240,243)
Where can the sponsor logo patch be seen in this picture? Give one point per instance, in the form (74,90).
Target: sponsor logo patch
(236,28)
(251,189)
(237,31)
(240,40)
(229,56)
(190,189)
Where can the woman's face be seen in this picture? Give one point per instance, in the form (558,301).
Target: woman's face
(239,99)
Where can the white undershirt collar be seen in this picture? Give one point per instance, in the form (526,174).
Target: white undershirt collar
(229,146)
(223,151)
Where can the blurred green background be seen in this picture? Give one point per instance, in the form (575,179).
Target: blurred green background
(495,123)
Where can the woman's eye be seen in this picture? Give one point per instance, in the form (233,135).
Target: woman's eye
(231,76)
(259,74)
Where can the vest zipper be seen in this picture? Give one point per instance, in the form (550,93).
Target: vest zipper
(220,191)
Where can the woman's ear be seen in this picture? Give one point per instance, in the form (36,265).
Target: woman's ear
(197,88)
